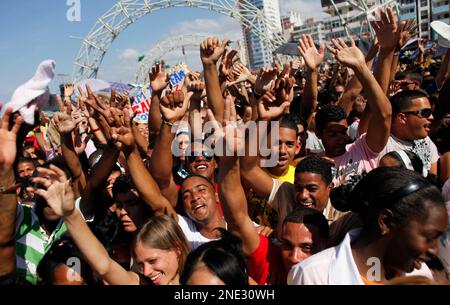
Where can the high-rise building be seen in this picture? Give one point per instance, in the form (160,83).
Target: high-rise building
(310,27)
(425,12)
(288,23)
(258,54)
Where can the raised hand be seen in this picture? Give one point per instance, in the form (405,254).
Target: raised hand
(313,57)
(229,134)
(269,109)
(241,73)
(387,29)
(57,190)
(266,80)
(173,106)
(283,86)
(88,112)
(226,64)
(8,137)
(65,122)
(122,134)
(211,49)
(94,103)
(194,84)
(409,30)
(351,56)
(159,79)
(69,89)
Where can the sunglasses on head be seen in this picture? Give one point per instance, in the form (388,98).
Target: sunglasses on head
(422,113)
(208,155)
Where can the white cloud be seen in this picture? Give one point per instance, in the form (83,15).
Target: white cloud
(222,27)
(306,8)
(129,55)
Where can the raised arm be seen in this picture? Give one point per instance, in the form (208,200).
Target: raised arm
(354,87)
(8,202)
(231,193)
(252,174)
(211,50)
(145,185)
(60,197)
(388,35)
(380,123)
(173,107)
(159,80)
(65,125)
(313,58)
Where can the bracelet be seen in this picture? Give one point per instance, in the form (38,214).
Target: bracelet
(95,130)
(164,121)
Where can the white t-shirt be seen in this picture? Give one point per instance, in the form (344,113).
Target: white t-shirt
(424,148)
(335,266)
(194,237)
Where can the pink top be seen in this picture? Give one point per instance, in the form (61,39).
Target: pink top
(358,159)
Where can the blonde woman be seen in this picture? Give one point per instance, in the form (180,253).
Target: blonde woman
(159,251)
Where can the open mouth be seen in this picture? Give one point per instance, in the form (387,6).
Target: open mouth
(156,278)
(199,207)
(201,167)
(307,204)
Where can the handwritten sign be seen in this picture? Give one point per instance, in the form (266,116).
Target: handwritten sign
(177,74)
(141,104)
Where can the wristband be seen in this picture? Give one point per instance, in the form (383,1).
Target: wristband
(95,130)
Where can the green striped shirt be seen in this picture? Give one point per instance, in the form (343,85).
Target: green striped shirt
(32,242)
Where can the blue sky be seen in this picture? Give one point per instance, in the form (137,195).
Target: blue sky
(35,30)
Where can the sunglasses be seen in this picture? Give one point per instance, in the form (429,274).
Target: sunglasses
(208,155)
(422,113)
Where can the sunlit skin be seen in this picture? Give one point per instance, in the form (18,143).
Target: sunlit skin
(201,166)
(203,276)
(160,266)
(405,246)
(183,143)
(298,242)
(286,148)
(63,275)
(110,182)
(415,242)
(311,191)
(410,127)
(199,200)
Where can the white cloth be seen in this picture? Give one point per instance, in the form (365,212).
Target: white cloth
(424,148)
(313,143)
(90,148)
(34,93)
(335,266)
(353,131)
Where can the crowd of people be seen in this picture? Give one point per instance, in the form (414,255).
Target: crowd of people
(356,194)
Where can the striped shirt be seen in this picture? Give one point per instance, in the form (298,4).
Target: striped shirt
(32,242)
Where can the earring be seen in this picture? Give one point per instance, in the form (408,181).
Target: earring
(384,232)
